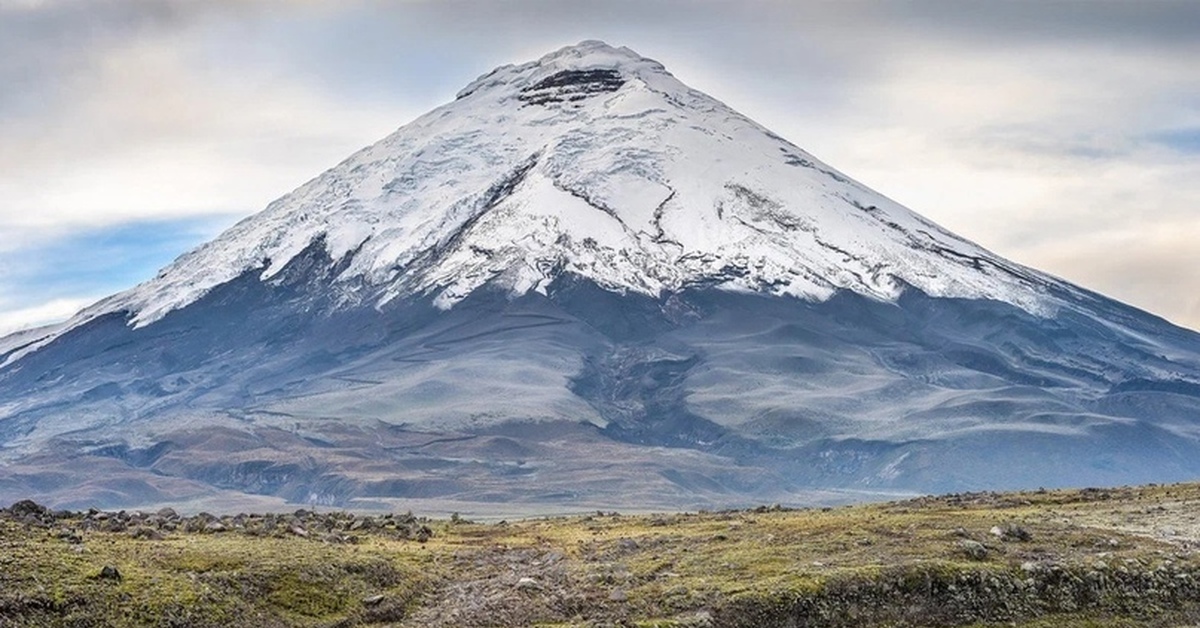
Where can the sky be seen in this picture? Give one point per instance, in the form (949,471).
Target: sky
(1061,135)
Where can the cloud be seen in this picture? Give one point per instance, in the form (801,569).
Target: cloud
(147,131)
(1061,23)
(41,314)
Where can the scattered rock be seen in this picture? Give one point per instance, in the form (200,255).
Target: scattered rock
(69,535)
(108,572)
(528,584)
(298,531)
(1011,532)
(373,600)
(618,595)
(148,534)
(27,507)
(973,549)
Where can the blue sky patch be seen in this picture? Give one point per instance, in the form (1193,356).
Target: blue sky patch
(99,261)
(1182,140)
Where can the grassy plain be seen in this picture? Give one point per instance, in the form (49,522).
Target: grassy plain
(1081,558)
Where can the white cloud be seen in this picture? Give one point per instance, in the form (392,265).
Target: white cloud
(152,136)
(50,312)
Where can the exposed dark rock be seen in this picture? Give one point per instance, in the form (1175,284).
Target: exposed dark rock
(149,534)
(27,507)
(572,85)
(69,535)
(109,572)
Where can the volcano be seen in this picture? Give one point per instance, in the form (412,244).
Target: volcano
(584,284)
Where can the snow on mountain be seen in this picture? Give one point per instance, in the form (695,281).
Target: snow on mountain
(609,168)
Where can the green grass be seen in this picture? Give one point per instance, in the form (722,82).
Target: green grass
(193,579)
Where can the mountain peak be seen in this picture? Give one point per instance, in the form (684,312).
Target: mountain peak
(591,161)
(587,60)
(594,54)
(591,53)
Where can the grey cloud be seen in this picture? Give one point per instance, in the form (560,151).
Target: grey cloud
(1109,22)
(382,49)
(51,39)
(49,47)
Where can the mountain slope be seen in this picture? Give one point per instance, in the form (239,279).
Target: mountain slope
(584,283)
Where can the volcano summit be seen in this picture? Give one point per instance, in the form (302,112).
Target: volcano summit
(584,284)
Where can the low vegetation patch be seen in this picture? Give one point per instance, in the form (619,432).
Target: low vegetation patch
(1119,557)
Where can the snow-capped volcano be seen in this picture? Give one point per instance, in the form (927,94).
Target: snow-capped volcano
(597,162)
(583,282)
